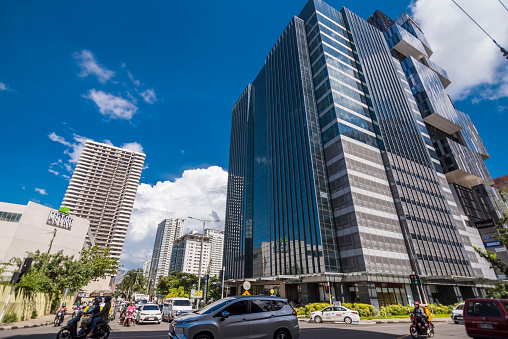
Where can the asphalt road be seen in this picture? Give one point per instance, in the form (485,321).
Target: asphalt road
(307,331)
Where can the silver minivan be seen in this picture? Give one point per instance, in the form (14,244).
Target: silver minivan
(240,317)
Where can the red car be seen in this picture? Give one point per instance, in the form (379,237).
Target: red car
(486,318)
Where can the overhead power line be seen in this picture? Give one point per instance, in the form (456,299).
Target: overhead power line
(503,5)
(504,51)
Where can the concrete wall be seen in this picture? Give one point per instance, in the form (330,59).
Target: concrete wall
(23,306)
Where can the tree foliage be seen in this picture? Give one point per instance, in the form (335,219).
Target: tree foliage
(214,291)
(133,282)
(175,280)
(502,237)
(55,272)
(499,292)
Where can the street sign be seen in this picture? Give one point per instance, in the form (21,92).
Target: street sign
(198,294)
(246,293)
(246,285)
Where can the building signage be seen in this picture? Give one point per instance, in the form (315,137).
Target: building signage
(59,219)
(492,244)
(485,223)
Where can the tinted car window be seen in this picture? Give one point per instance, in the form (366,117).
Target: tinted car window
(277,305)
(150,308)
(181,303)
(258,306)
(237,308)
(483,308)
(213,306)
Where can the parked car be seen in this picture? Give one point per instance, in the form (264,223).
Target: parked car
(174,307)
(486,318)
(335,313)
(149,313)
(239,317)
(457,313)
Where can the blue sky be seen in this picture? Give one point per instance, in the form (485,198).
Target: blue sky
(163,76)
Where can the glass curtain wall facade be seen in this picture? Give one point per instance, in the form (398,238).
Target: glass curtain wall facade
(333,169)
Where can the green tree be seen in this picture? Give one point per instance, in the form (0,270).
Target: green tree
(176,279)
(214,290)
(133,282)
(499,292)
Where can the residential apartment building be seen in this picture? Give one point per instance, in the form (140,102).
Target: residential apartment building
(345,162)
(102,189)
(186,254)
(217,249)
(168,231)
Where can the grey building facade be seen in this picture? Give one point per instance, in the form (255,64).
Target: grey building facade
(335,176)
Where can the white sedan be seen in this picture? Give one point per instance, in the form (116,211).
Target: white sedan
(149,313)
(335,313)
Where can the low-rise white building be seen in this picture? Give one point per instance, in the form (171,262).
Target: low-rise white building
(186,254)
(27,228)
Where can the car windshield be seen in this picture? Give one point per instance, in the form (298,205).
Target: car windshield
(460,307)
(181,303)
(150,308)
(214,306)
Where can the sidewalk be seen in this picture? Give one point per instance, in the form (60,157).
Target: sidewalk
(42,321)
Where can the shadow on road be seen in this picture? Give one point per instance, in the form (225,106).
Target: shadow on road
(114,335)
(328,332)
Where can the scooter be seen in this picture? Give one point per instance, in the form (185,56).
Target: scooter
(417,330)
(58,318)
(70,331)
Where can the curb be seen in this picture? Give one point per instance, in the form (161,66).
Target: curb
(5,328)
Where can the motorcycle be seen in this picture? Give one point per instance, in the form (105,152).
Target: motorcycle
(417,330)
(58,318)
(71,331)
(130,320)
(77,309)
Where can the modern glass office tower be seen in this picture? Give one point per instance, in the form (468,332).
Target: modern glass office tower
(346,159)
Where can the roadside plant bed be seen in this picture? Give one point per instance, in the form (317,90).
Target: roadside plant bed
(402,317)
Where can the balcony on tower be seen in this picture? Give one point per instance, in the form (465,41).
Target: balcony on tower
(404,43)
(407,22)
(441,73)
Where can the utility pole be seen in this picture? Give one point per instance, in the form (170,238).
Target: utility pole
(201,256)
(49,250)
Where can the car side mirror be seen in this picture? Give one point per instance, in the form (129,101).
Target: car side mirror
(224,315)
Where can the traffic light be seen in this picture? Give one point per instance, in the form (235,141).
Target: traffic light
(415,279)
(327,289)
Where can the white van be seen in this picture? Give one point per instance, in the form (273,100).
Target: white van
(174,307)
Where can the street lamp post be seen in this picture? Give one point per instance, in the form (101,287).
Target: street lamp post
(201,255)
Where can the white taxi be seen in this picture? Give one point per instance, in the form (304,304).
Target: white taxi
(335,313)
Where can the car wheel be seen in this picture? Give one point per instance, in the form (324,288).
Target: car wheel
(202,336)
(281,335)
(318,319)
(456,322)
(348,320)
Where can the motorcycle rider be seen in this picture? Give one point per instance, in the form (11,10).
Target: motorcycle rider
(103,315)
(94,311)
(129,312)
(62,309)
(420,315)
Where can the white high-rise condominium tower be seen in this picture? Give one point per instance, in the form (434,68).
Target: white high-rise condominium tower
(102,190)
(167,232)
(216,250)
(186,254)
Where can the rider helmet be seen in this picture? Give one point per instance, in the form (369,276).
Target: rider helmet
(108,298)
(97,300)
(64,304)
(417,303)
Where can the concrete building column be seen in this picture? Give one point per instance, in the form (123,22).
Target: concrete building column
(368,294)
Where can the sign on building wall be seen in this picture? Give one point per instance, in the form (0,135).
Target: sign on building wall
(59,219)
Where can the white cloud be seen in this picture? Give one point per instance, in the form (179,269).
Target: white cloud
(133,146)
(200,193)
(41,191)
(3,87)
(53,171)
(134,81)
(88,64)
(149,96)
(474,64)
(111,105)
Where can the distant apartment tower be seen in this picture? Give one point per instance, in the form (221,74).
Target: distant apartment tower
(187,254)
(102,190)
(217,250)
(146,268)
(168,231)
